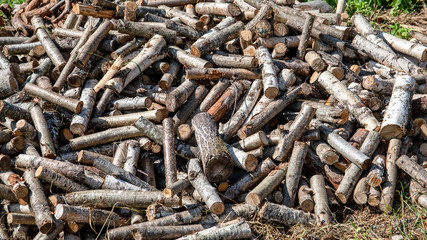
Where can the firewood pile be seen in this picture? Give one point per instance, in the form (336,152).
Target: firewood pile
(164,119)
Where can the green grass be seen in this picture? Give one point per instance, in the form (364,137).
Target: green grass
(12,2)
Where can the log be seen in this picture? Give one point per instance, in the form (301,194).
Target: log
(285,215)
(179,95)
(170,75)
(87,215)
(46,143)
(293,174)
(217,73)
(215,158)
(58,180)
(361,191)
(263,189)
(132,156)
(193,102)
(417,193)
(305,200)
(418,51)
(147,30)
(176,187)
(169,151)
(43,219)
(389,185)
(103,123)
(376,173)
(308,25)
(93,11)
(80,121)
(187,59)
(16,184)
(252,142)
(231,61)
(412,169)
(296,131)
(241,159)
(397,112)
(135,103)
(269,72)
(321,207)
(221,9)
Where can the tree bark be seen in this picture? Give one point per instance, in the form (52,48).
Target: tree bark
(216,159)
(179,95)
(238,229)
(176,187)
(293,174)
(148,30)
(242,159)
(398,110)
(389,185)
(16,184)
(193,102)
(80,121)
(418,193)
(169,151)
(93,11)
(124,120)
(252,142)
(221,9)
(87,215)
(304,196)
(46,143)
(285,215)
(376,173)
(58,180)
(43,219)
(415,50)
(263,189)
(326,154)
(231,61)
(364,27)
(413,169)
(308,25)
(269,72)
(321,207)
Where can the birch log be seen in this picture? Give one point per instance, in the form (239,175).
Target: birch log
(285,215)
(389,185)
(269,72)
(46,143)
(321,207)
(418,51)
(80,121)
(398,109)
(364,27)
(169,151)
(351,101)
(413,169)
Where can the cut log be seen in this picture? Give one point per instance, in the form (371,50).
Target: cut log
(236,229)
(285,215)
(398,110)
(58,180)
(216,159)
(179,95)
(46,143)
(418,193)
(241,159)
(308,25)
(176,187)
(304,196)
(364,27)
(321,207)
(80,121)
(169,151)
(87,215)
(269,72)
(389,185)
(412,169)
(376,173)
(252,142)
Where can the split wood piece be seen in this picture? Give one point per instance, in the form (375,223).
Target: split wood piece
(184,17)
(308,25)
(16,184)
(305,200)
(249,179)
(153,51)
(221,9)
(13,147)
(232,61)
(293,174)
(69,66)
(176,187)
(93,11)
(47,146)
(50,47)
(109,168)
(340,92)
(236,229)
(389,185)
(103,123)
(374,196)
(285,215)
(228,99)
(383,56)
(193,102)
(87,157)
(170,75)
(69,170)
(263,189)
(58,180)
(295,132)
(418,193)
(361,191)
(114,68)
(398,109)
(185,217)
(179,95)
(413,169)
(345,148)
(252,142)
(326,154)
(80,121)
(418,51)
(53,97)
(321,207)
(147,30)
(216,159)
(269,72)
(217,73)
(232,126)
(188,59)
(365,29)
(87,215)
(216,39)
(353,172)
(181,29)
(110,198)
(242,159)
(107,136)
(135,103)
(43,218)
(376,173)
(269,112)
(201,183)
(20,218)
(6,193)
(90,46)
(169,151)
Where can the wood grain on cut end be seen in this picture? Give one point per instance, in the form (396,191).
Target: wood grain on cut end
(253,199)
(391,131)
(217,208)
(251,163)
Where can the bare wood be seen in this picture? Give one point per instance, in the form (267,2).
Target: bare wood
(374,196)
(412,169)
(321,207)
(86,215)
(343,95)
(293,174)
(169,151)
(16,184)
(103,137)
(43,218)
(258,121)
(204,188)
(285,215)
(216,159)
(397,112)
(263,189)
(46,143)
(58,180)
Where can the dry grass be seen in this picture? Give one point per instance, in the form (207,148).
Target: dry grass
(408,220)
